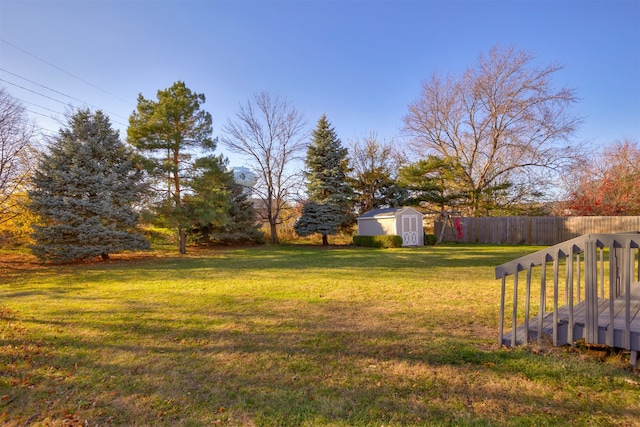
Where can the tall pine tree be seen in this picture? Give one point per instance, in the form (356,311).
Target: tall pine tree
(168,132)
(84,191)
(330,198)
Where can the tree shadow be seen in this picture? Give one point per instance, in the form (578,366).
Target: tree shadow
(268,363)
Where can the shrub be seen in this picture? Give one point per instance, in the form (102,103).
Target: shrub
(430,239)
(378,241)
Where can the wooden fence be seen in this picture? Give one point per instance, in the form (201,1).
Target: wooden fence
(545,230)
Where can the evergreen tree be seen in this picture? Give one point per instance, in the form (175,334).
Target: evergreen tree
(330,198)
(243,225)
(168,131)
(208,201)
(218,206)
(434,182)
(84,190)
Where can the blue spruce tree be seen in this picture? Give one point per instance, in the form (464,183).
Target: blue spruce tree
(330,198)
(84,191)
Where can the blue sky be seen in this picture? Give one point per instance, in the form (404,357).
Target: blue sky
(360,62)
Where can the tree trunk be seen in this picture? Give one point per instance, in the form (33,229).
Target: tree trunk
(105,256)
(183,241)
(325,240)
(274,234)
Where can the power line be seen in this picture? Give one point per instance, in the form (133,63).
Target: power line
(33,91)
(48,97)
(39,106)
(60,93)
(65,71)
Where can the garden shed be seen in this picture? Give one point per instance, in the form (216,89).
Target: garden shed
(405,222)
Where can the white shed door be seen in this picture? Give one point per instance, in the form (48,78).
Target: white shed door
(410,230)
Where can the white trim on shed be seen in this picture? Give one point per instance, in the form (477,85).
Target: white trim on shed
(405,222)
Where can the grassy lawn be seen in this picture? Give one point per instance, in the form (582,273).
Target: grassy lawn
(290,335)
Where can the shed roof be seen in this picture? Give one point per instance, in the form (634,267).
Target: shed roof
(386,212)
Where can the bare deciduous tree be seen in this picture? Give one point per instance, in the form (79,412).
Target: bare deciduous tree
(271,135)
(502,120)
(374,167)
(17,133)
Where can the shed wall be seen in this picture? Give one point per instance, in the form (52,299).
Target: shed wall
(376,227)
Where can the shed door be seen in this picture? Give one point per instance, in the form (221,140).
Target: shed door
(410,229)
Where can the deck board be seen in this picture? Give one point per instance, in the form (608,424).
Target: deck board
(619,322)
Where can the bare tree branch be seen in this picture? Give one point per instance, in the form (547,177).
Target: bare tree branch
(500,119)
(271,135)
(17,153)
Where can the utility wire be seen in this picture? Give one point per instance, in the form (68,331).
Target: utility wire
(39,106)
(33,91)
(65,71)
(58,92)
(40,114)
(48,97)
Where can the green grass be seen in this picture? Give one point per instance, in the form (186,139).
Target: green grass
(290,335)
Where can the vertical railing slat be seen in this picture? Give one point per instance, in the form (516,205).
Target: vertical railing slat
(569,290)
(578,276)
(502,299)
(601,250)
(612,292)
(628,274)
(543,299)
(527,304)
(514,320)
(591,292)
(555,298)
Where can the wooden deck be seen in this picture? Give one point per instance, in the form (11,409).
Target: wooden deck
(619,323)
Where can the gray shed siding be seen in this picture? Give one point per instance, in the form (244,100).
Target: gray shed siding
(377,226)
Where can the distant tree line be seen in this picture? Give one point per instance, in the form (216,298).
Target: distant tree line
(495,140)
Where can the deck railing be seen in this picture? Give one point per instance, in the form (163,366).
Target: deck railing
(596,268)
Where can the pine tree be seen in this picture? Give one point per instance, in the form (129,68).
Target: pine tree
(220,209)
(330,198)
(168,132)
(84,191)
(208,201)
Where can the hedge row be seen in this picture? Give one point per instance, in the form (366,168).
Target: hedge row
(388,241)
(430,239)
(378,241)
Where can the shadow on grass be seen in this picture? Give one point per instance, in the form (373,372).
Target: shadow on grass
(262,362)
